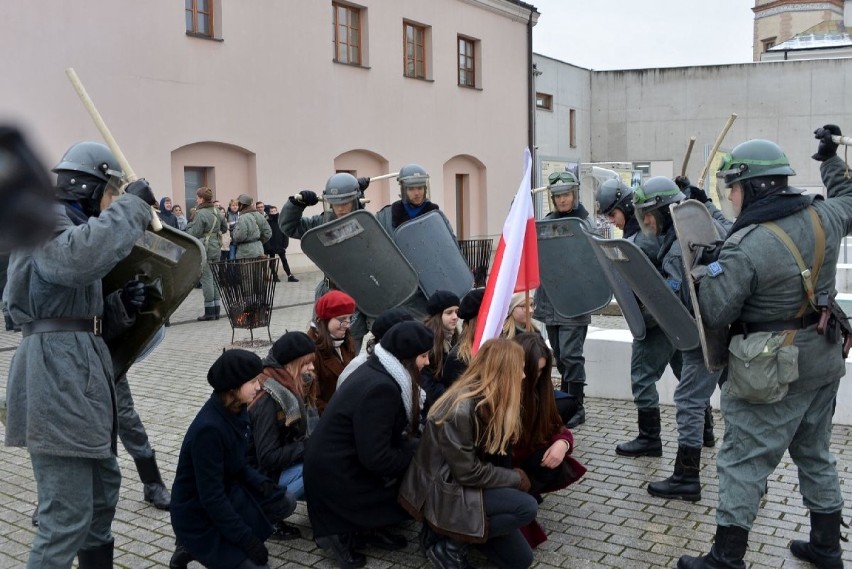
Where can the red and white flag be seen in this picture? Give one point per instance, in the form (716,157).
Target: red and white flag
(515,263)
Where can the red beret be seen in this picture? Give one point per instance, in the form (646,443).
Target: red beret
(334,303)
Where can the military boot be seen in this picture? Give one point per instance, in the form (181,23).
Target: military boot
(684,484)
(209,314)
(217,310)
(648,442)
(576,390)
(823,550)
(709,436)
(727,552)
(448,554)
(155,492)
(96,558)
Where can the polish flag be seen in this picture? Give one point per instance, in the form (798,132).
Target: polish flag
(515,263)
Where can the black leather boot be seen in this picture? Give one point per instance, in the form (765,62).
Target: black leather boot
(180,558)
(448,554)
(823,550)
(709,436)
(209,314)
(685,483)
(341,546)
(155,492)
(96,558)
(648,442)
(576,390)
(217,311)
(727,552)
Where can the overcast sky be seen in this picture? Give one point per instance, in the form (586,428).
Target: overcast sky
(631,34)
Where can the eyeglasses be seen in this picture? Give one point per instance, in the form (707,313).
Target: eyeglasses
(345,322)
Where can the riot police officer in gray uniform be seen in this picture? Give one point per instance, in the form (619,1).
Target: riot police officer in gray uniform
(758,287)
(567,335)
(342,195)
(60,394)
(692,394)
(650,355)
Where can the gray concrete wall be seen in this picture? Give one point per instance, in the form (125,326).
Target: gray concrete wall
(649,114)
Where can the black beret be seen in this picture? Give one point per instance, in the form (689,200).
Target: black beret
(289,347)
(470,303)
(387,319)
(440,301)
(232,369)
(408,340)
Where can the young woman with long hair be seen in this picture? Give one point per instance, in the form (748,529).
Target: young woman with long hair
(461,483)
(443,318)
(335,348)
(461,354)
(284,414)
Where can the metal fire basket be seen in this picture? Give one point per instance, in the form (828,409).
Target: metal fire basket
(477,253)
(247,288)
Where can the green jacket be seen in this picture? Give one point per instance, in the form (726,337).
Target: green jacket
(250,233)
(207,226)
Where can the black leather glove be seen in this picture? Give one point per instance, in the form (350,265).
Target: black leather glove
(141,189)
(133,296)
(682,182)
(363,183)
(255,550)
(827,147)
(697,193)
(308,198)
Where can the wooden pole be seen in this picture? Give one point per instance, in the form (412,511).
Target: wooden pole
(129,174)
(686,157)
(716,146)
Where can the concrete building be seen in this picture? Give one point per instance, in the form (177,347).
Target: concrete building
(830,38)
(268,98)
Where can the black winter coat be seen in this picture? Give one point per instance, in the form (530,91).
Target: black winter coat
(279,242)
(355,459)
(215,495)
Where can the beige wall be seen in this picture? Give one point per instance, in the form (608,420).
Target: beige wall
(783,19)
(271,90)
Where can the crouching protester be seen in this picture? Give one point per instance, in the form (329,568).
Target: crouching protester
(784,369)
(356,457)
(461,483)
(222,509)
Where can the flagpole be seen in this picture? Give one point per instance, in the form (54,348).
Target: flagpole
(527,309)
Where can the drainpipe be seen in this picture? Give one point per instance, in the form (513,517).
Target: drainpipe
(531,100)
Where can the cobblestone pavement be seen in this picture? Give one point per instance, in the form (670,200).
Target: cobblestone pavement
(606,520)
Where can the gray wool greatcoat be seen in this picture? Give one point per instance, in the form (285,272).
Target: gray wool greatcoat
(250,233)
(60,393)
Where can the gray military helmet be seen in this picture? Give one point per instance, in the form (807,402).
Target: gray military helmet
(91,158)
(341,188)
(615,194)
(656,193)
(562,182)
(755,158)
(412,176)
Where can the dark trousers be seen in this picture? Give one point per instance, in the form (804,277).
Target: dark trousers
(508,510)
(284,264)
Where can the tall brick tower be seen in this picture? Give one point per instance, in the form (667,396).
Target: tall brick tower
(776,21)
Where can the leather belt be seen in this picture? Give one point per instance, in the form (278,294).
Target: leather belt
(92,325)
(745,328)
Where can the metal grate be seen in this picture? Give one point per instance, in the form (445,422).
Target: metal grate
(477,253)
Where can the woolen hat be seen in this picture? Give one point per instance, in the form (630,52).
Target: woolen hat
(245,199)
(470,303)
(334,303)
(408,340)
(289,347)
(440,301)
(233,369)
(387,319)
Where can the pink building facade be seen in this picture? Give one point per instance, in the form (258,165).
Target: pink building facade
(267,97)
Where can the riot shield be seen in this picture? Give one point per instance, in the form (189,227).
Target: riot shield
(696,232)
(169,262)
(621,290)
(638,272)
(429,245)
(569,271)
(357,254)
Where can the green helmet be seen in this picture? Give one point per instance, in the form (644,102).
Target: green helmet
(754,159)
(655,193)
(562,182)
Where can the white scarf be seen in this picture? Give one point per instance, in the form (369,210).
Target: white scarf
(401,376)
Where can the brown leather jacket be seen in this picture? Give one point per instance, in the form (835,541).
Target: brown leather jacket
(327,367)
(444,483)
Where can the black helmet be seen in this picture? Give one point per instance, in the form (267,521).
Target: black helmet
(614,194)
(654,196)
(342,188)
(91,158)
(754,159)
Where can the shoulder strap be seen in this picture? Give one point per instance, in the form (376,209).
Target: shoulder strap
(809,276)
